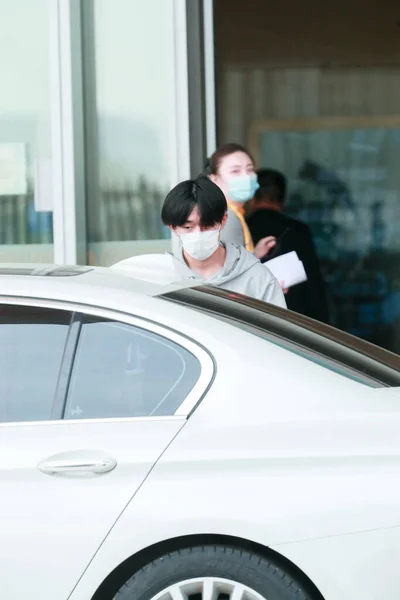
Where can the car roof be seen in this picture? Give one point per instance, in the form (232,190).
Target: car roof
(124,290)
(26,279)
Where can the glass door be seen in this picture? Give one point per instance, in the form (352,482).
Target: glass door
(26,221)
(136,122)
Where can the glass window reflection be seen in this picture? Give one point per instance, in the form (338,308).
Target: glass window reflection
(128,83)
(26,228)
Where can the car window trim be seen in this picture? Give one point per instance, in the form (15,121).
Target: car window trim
(67,361)
(70,422)
(206,360)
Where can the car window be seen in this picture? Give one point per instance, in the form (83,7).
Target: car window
(330,348)
(319,359)
(124,371)
(32,342)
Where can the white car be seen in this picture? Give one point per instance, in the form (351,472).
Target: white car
(162,442)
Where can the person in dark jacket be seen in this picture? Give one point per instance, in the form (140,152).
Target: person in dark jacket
(266,218)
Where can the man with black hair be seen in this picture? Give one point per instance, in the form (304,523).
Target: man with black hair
(196,212)
(266,218)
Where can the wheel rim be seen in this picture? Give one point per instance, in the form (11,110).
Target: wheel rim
(208,588)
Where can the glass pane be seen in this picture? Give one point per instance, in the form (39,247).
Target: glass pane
(26,233)
(123,371)
(32,343)
(129,86)
(345,184)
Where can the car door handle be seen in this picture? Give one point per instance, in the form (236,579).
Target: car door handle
(77,465)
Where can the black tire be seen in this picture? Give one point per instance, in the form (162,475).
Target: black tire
(259,574)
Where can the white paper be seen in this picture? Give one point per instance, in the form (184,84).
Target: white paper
(287,268)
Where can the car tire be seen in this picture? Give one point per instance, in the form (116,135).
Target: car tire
(251,576)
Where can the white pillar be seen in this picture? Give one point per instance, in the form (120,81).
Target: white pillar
(209,74)
(68,174)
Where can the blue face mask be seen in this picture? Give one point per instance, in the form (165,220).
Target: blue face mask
(242,188)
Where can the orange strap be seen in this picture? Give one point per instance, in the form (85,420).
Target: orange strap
(239,212)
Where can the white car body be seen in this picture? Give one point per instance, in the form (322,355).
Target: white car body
(281,453)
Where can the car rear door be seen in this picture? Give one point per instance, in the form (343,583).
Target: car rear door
(87,406)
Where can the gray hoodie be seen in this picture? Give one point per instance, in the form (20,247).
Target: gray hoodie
(242,273)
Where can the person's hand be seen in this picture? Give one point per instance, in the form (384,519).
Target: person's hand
(264,246)
(284,290)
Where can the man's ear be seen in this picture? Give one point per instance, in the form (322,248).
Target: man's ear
(213,177)
(224,220)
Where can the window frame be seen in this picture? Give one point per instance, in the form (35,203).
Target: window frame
(79,312)
(84,318)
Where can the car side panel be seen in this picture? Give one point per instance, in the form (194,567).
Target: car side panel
(275,460)
(363,566)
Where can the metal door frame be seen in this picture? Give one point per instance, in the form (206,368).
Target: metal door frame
(68,116)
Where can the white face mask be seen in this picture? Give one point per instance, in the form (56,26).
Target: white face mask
(200,245)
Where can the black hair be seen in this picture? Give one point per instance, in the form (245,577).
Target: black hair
(272,186)
(201,192)
(213,163)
